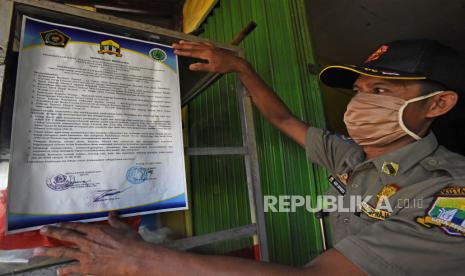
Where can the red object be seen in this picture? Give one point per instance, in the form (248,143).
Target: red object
(378,53)
(33,239)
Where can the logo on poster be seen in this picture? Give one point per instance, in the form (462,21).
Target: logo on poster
(55,38)
(110,47)
(158,54)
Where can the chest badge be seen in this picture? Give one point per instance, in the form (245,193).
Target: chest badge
(447,212)
(344,177)
(390,168)
(337,185)
(383,209)
(385,193)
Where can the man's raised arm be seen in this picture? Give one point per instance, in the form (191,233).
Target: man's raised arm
(267,102)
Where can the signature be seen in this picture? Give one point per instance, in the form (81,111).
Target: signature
(80,182)
(107,194)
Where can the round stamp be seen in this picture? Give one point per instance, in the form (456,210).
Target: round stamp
(158,54)
(137,175)
(59,182)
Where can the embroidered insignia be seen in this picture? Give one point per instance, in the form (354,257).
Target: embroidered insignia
(372,212)
(337,185)
(385,193)
(447,212)
(378,53)
(452,190)
(390,73)
(390,168)
(383,208)
(344,177)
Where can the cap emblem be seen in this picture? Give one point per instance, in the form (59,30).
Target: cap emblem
(378,53)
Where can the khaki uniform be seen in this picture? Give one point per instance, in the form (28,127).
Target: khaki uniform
(424,184)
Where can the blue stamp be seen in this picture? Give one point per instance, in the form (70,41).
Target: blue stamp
(137,175)
(60,182)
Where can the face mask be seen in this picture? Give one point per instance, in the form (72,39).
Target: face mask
(373,119)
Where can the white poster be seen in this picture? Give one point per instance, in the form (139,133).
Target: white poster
(96,127)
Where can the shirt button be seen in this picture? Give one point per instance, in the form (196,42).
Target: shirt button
(433,162)
(346,220)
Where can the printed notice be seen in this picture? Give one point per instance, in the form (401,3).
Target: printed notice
(96,127)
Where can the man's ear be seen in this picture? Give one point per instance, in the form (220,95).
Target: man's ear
(442,103)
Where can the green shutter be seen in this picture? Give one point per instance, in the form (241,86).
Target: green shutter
(280,50)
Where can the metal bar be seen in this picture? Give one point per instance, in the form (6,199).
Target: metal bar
(244,32)
(252,169)
(6,13)
(201,85)
(229,234)
(323,236)
(217,151)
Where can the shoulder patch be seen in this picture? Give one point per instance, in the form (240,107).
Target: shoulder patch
(447,212)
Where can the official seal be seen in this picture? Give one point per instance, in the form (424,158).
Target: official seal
(59,182)
(137,175)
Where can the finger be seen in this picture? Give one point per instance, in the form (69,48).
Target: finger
(184,45)
(115,222)
(83,228)
(188,46)
(64,234)
(58,252)
(210,45)
(91,234)
(202,45)
(191,53)
(200,67)
(189,42)
(71,269)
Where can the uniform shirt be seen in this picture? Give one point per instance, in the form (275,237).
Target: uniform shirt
(429,182)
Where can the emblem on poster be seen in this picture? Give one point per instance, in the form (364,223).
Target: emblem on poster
(158,54)
(110,47)
(55,38)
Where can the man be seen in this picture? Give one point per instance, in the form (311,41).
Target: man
(412,217)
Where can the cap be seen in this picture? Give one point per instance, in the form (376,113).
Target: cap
(404,60)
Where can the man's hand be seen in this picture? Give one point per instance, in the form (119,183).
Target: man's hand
(219,60)
(100,249)
(267,102)
(119,250)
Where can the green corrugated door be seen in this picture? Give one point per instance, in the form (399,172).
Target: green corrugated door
(280,51)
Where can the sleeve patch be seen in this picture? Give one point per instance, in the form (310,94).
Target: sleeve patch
(447,212)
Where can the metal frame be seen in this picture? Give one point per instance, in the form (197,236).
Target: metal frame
(257,228)
(249,151)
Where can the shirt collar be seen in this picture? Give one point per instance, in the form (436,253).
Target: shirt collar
(409,155)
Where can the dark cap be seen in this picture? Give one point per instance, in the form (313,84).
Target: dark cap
(404,60)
